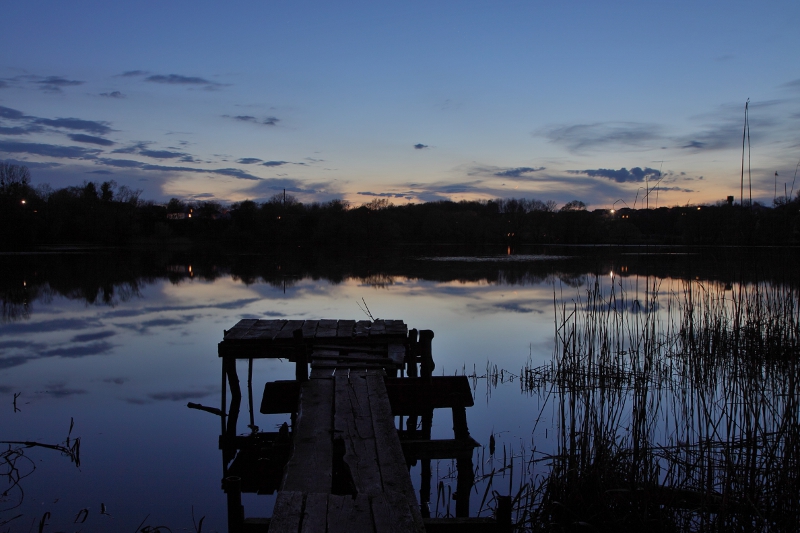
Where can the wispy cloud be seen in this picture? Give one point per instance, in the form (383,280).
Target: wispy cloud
(92,126)
(517,172)
(128,163)
(133,73)
(599,135)
(177,79)
(420,146)
(249,160)
(623,175)
(266,121)
(49,150)
(54,84)
(113,94)
(90,139)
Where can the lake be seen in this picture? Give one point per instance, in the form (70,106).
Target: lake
(118,341)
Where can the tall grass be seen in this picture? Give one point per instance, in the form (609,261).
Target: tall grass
(677,411)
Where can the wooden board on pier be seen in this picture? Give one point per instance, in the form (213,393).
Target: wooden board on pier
(252,338)
(348,465)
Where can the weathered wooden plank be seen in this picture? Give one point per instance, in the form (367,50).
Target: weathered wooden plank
(394,475)
(326,328)
(287,513)
(322,372)
(399,500)
(396,327)
(345,329)
(397,353)
(391,517)
(409,396)
(310,329)
(309,468)
(264,329)
(378,328)
(347,514)
(315,516)
(236,332)
(287,331)
(246,322)
(352,423)
(363,328)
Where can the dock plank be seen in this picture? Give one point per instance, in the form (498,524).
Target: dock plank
(352,422)
(315,515)
(347,514)
(363,328)
(264,330)
(287,513)
(397,353)
(392,514)
(326,328)
(287,331)
(310,329)
(391,460)
(378,328)
(345,329)
(310,466)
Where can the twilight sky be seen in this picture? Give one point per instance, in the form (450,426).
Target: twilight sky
(412,101)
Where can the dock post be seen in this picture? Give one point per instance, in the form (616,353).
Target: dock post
(233,488)
(426,353)
(412,355)
(301,363)
(502,512)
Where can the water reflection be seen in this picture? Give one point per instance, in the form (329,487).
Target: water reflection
(121,341)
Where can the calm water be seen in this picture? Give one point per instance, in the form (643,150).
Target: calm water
(120,342)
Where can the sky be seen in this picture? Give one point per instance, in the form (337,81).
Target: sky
(604,102)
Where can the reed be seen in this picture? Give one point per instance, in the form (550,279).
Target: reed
(677,411)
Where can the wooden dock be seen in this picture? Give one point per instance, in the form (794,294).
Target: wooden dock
(343,463)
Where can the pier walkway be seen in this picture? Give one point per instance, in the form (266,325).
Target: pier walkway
(343,464)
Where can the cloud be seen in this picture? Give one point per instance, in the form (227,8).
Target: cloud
(18,130)
(95,348)
(34,164)
(382,194)
(177,79)
(115,381)
(49,150)
(86,337)
(517,172)
(623,175)
(128,163)
(53,84)
(133,73)
(102,172)
(267,121)
(248,160)
(92,126)
(113,94)
(60,390)
(177,396)
(90,139)
(13,114)
(420,146)
(794,84)
(581,137)
(274,163)
(132,149)
(161,154)
(3,84)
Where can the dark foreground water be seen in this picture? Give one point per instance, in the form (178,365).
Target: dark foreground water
(118,342)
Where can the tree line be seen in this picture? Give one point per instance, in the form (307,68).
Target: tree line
(108,214)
